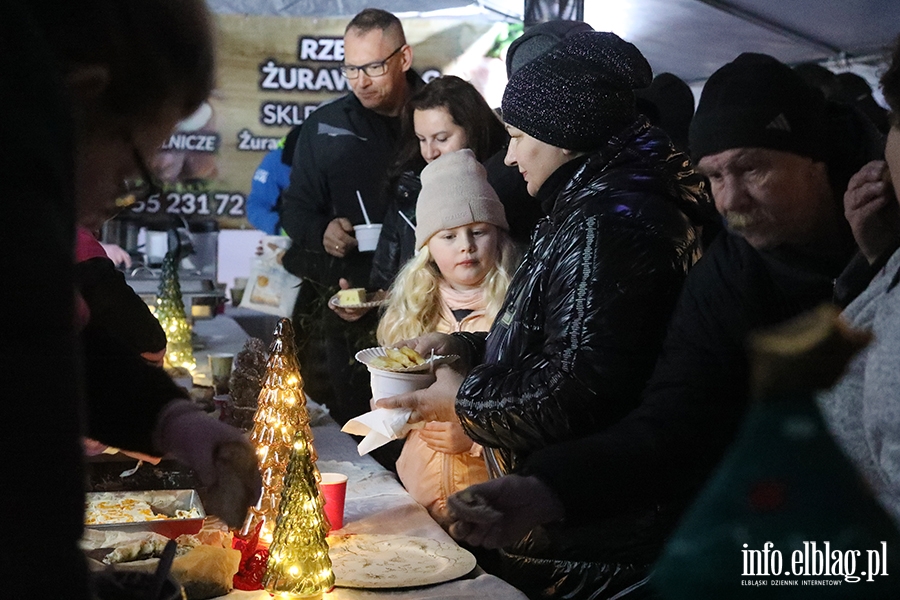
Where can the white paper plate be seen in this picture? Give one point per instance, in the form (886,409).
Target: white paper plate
(366,356)
(395,561)
(371,302)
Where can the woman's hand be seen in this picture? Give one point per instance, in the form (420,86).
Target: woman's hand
(441,344)
(447,437)
(434,403)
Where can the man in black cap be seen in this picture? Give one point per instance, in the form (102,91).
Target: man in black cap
(778,158)
(343,154)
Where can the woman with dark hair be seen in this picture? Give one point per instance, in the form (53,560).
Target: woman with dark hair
(91,89)
(446,115)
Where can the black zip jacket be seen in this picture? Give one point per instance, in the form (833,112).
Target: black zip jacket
(343,148)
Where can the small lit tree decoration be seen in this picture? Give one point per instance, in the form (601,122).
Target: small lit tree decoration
(280,414)
(170,312)
(299,565)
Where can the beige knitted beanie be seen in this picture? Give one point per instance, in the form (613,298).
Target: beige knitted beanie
(455,192)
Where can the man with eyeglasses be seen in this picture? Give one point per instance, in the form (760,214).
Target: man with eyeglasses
(344,152)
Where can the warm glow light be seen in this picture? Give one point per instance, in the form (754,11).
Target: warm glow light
(277,418)
(298,566)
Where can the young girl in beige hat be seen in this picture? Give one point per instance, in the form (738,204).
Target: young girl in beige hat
(456,282)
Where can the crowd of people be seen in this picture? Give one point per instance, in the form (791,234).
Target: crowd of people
(596,252)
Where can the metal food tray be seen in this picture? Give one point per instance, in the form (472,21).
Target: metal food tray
(166,502)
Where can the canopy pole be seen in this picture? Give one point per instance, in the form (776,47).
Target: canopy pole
(538,11)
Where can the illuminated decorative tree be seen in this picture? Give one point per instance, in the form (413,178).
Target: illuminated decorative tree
(299,565)
(280,415)
(170,312)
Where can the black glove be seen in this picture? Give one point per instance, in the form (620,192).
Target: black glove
(501,511)
(219,454)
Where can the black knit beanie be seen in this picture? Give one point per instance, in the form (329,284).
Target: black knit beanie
(579,93)
(757,102)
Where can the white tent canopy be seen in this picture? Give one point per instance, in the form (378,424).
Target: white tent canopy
(690,38)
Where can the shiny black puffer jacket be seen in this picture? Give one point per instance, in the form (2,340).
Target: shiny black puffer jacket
(586,312)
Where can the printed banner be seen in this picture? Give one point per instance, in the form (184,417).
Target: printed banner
(272,72)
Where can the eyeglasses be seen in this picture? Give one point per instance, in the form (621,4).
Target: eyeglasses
(373,69)
(140,188)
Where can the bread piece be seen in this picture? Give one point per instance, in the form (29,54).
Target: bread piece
(351,296)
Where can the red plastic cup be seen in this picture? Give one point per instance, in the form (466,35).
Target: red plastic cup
(334,489)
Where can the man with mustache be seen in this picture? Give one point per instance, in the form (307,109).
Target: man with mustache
(778,158)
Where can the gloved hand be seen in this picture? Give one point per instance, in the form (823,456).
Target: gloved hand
(501,511)
(219,454)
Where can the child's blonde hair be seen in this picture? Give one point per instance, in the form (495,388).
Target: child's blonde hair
(413,306)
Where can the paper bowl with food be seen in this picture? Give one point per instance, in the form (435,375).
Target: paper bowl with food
(396,371)
(401,360)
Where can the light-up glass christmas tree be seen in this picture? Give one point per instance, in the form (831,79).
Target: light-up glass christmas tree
(281,413)
(170,312)
(299,565)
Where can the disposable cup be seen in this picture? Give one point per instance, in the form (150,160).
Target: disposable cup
(334,489)
(367,236)
(389,383)
(220,369)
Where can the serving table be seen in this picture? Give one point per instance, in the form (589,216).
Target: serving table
(376,503)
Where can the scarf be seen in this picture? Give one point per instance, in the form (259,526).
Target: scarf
(457,299)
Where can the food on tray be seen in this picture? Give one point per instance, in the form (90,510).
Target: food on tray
(150,545)
(103,509)
(119,547)
(398,358)
(205,564)
(351,296)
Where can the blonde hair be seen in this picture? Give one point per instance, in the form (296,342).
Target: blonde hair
(413,306)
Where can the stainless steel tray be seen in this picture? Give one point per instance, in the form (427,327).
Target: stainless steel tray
(163,502)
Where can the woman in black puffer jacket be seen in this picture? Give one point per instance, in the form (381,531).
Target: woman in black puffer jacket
(586,312)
